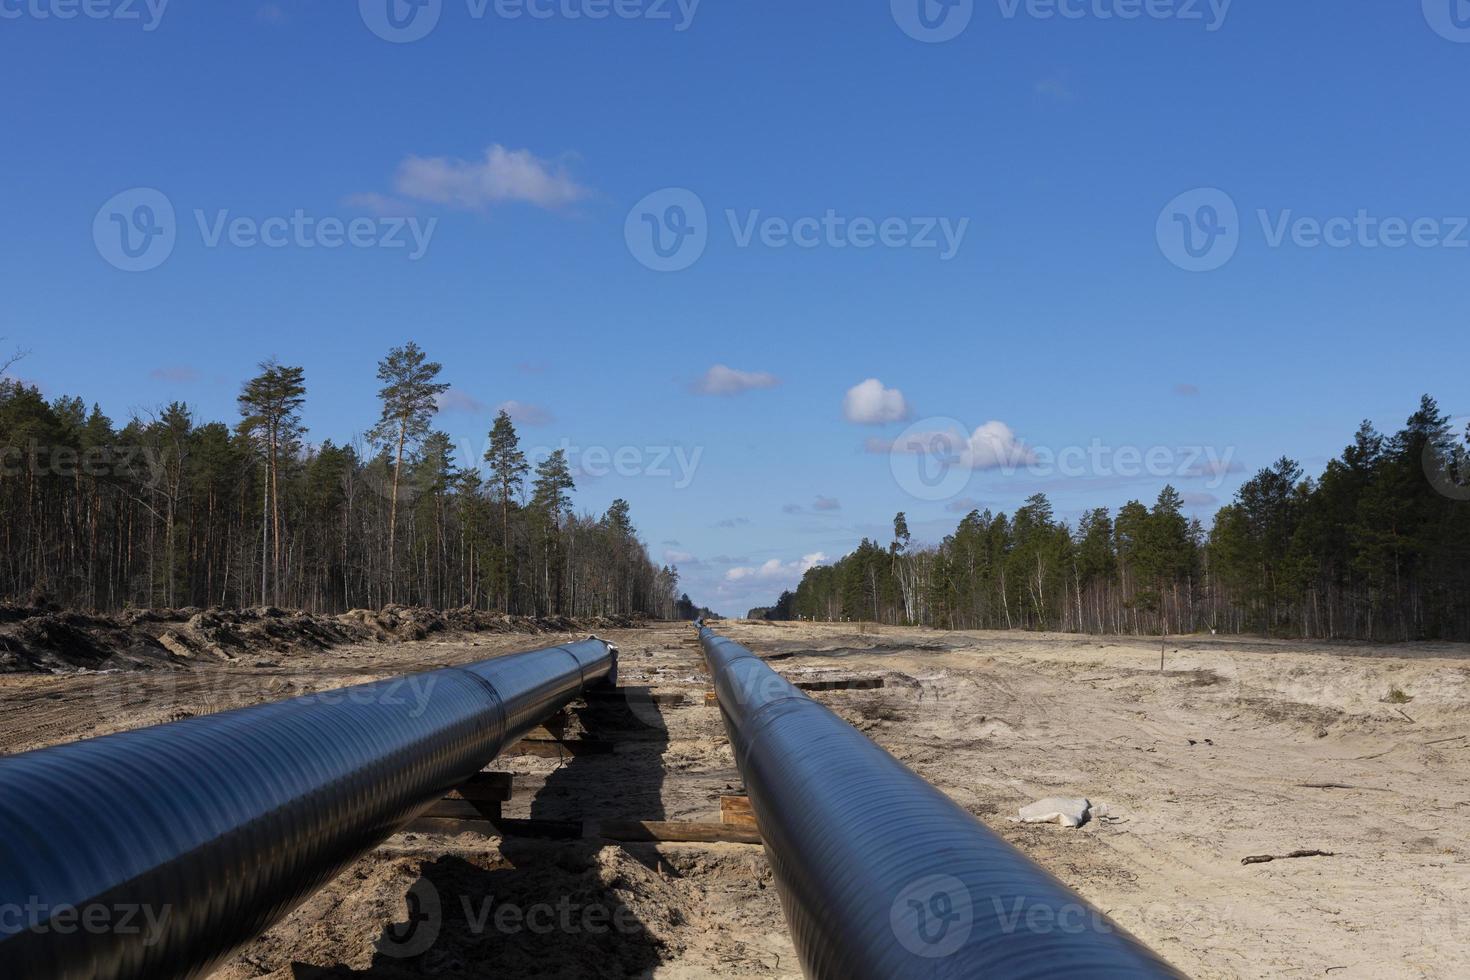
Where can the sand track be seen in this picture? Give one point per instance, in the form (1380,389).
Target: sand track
(994,719)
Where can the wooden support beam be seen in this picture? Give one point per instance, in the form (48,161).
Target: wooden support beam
(464,810)
(659,831)
(735,811)
(842,684)
(485,787)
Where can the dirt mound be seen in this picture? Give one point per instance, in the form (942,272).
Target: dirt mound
(45,638)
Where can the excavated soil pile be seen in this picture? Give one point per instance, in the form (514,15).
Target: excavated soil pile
(47,639)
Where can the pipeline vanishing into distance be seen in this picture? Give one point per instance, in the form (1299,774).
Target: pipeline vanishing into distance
(154,853)
(880,874)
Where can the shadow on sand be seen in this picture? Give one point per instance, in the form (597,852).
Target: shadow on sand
(543,908)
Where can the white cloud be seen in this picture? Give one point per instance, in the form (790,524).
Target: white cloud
(992,446)
(722,380)
(526,414)
(455,400)
(870,403)
(676,557)
(503,176)
(776,569)
(827,503)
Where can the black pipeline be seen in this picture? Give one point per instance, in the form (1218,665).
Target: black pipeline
(883,876)
(154,853)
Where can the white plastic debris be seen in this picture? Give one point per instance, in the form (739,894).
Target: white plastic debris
(1067,811)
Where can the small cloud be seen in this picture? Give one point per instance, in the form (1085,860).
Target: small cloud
(502,177)
(776,569)
(457,401)
(722,380)
(728,560)
(1186,390)
(174,375)
(1054,88)
(827,504)
(377,204)
(526,414)
(671,543)
(870,403)
(992,446)
(676,557)
(733,522)
(1199,499)
(963,505)
(791,509)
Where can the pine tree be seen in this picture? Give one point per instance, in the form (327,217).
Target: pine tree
(270,405)
(508,469)
(410,399)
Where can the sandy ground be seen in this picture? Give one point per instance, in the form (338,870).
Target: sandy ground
(1235,748)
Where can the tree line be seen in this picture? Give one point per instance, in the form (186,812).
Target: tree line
(169,510)
(1375,548)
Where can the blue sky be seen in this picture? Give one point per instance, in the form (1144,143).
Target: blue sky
(1061,152)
